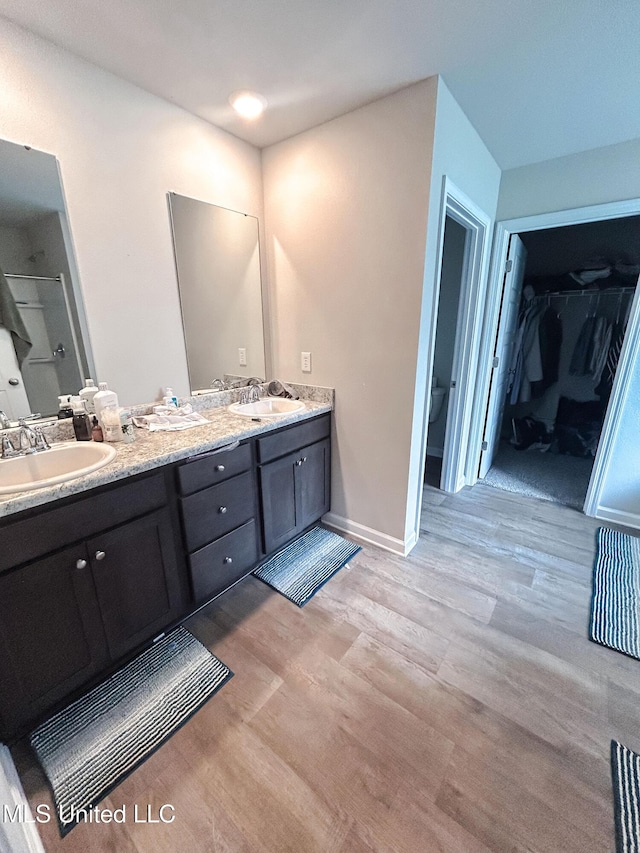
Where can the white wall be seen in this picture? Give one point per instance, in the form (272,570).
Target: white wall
(346,209)
(591,177)
(594,177)
(120,151)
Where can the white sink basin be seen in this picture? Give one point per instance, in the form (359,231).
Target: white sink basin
(64,461)
(270,407)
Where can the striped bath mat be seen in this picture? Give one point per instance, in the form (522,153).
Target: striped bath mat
(89,747)
(616,592)
(625,775)
(299,569)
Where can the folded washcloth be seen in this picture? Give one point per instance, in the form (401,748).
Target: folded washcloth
(167,418)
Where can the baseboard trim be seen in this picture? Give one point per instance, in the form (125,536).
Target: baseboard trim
(369,535)
(618,516)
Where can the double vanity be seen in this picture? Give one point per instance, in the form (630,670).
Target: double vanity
(94,568)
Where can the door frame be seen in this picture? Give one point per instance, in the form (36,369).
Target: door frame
(477,224)
(631,348)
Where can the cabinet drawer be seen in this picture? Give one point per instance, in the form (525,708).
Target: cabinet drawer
(212,512)
(91,513)
(213,467)
(289,439)
(220,564)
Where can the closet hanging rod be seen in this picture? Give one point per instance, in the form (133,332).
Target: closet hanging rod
(33,277)
(610,291)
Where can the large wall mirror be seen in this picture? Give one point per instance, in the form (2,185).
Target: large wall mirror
(44,347)
(218,263)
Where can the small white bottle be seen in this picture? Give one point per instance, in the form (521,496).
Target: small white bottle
(88,393)
(170,398)
(103,400)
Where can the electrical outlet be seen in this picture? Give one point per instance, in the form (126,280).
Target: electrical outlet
(242,356)
(305,362)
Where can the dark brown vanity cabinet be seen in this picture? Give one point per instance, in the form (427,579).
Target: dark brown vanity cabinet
(295,479)
(69,611)
(219,518)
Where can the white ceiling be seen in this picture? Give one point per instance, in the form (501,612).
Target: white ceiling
(537,79)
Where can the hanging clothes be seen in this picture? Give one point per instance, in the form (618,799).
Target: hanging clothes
(582,351)
(536,354)
(604,386)
(550,341)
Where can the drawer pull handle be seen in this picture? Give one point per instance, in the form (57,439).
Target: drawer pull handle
(100,555)
(219,467)
(81,564)
(298,461)
(228,560)
(304,458)
(222,509)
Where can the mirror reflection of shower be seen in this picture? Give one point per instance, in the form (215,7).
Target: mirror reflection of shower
(40,294)
(53,364)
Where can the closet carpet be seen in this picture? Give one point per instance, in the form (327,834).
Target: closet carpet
(449,701)
(550,476)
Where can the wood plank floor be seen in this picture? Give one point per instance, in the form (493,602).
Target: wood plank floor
(449,701)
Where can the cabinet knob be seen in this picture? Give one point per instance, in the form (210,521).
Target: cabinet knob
(222,509)
(81,564)
(228,560)
(100,555)
(219,467)
(304,458)
(298,461)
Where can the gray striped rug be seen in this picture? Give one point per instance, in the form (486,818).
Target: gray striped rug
(625,776)
(90,746)
(616,592)
(300,568)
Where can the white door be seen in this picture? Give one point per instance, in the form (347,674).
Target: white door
(13,397)
(507,325)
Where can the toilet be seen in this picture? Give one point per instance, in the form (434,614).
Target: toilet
(437,399)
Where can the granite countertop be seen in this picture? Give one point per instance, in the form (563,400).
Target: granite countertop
(153,449)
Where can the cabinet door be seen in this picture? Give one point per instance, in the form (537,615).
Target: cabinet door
(278,492)
(295,492)
(51,637)
(135,571)
(313,485)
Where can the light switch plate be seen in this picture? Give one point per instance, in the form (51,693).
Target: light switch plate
(305,362)
(242,356)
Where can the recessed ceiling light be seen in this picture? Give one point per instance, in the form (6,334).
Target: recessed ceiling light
(248,104)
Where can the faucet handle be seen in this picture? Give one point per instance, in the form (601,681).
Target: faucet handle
(41,439)
(8,450)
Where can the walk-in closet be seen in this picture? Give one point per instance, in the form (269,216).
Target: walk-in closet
(564,342)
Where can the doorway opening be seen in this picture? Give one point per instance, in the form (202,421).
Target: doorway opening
(565,306)
(451,274)
(461,281)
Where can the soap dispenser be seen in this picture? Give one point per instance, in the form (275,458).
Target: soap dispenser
(88,393)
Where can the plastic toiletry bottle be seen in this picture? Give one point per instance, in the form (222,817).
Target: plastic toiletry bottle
(65,410)
(103,400)
(126,425)
(96,430)
(170,398)
(81,423)
(88,393)
(110,422)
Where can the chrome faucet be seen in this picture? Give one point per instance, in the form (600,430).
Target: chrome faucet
(218,385)
(5,423)
(250,394)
